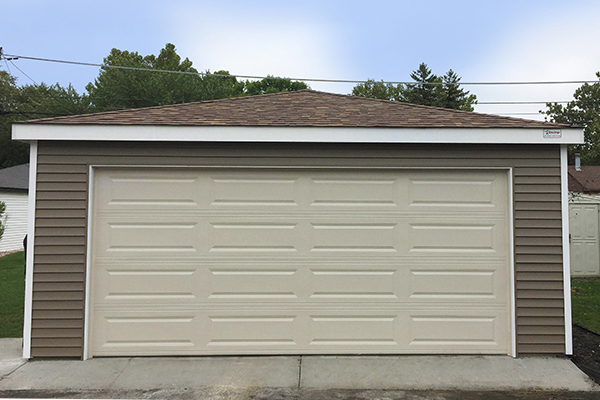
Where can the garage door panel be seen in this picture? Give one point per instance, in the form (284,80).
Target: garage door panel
(252,191)
(166,284)
(156,237)
(355,191)
(359,329)
(444,190)
(459,331)
(456,236)
(316,261)
(453,284)
(366,284)
(250,237)
(252,330)
(358,237)
(123,190)
(157,333)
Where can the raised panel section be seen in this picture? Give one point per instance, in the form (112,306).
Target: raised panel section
(460,331)
(453,284)
(259,190)
(353,191)
(451,237)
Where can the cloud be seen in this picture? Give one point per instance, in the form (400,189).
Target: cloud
(280,46)
(556,45)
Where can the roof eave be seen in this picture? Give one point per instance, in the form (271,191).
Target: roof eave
(144,133)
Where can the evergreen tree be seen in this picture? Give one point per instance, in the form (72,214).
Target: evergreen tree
(425,91)
(428,90)
(452,96)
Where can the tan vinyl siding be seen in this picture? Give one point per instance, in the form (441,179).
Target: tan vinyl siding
(62,182)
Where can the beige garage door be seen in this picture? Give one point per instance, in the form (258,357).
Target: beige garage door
(299,261)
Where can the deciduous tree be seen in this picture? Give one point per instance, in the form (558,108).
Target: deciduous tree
(583,111)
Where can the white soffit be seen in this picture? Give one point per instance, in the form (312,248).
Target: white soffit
(293,134)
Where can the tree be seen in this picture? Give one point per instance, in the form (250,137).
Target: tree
(272,84)
(10,153)
(425,91)
(428,89)
(19,103)
(583,111)
(379,90)
(121,88)
(452,96)
(2,210)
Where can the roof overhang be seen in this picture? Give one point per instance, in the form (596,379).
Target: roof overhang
(145,133)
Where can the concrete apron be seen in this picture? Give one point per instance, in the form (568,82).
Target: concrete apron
(480,373)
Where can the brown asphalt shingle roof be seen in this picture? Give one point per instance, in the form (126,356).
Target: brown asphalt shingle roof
(300,108)
(586,181)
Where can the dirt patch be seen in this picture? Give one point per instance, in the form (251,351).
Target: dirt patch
(5,253)
(586,352)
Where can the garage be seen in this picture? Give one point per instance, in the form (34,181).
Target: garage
(250,261)
(296,223)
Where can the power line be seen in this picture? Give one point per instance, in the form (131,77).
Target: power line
(60,101)
(478,103)
(520,102)
(30,78)
(14,56)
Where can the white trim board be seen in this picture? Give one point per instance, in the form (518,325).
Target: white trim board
(511,233)
(511,244)
(292,134)
(88,262)
(29,251)
(564,189)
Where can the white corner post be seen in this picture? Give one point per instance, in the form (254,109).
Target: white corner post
(564,191)
(29,250)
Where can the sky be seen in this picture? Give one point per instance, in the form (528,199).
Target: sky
(482,41)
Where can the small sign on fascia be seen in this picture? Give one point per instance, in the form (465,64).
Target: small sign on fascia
(552,133)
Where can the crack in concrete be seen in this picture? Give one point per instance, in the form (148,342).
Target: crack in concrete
(120,373)
(12,372)
(299,371)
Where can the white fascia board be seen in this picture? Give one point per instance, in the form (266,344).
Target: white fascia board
(151,133)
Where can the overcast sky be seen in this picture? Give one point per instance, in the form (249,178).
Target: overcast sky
(508,40)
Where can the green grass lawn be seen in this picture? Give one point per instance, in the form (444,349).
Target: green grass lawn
(12,295)
(585,294)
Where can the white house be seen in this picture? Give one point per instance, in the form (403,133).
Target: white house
(13,192)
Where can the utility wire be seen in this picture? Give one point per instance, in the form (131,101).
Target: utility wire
(478,103)
(15,65)
(60,100)
(297,79)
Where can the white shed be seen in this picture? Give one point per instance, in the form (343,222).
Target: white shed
(13,192)
(584,234)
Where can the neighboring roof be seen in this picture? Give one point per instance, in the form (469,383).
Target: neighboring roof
(304,108)
(586,181)
(15,178)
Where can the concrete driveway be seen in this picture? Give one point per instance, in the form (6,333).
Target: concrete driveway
(309,377)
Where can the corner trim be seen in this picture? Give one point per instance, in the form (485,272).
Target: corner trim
(88,262)
(511,244)
(30,253)
(564,197)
